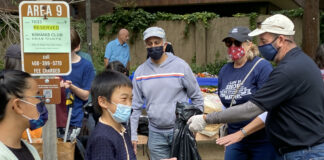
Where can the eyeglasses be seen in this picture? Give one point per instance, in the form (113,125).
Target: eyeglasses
(41,98)
(274,39)
(229,43)
(288,40)
(41,109)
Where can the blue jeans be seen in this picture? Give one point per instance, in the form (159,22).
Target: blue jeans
(159,144)
(311,153)
(251,151)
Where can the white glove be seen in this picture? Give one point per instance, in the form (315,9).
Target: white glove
(196,123)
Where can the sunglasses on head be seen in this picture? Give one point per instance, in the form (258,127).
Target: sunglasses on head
(229,43)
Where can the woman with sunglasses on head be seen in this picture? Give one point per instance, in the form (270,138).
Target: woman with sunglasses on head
(20,108)
(247,139)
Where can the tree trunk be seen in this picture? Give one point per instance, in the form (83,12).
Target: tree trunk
(311,27)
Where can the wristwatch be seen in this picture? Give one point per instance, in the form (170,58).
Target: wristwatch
(244,132)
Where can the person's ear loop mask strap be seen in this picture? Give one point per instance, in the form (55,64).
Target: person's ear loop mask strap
(32,105)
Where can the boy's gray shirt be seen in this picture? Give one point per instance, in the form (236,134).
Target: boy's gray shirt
(162,87)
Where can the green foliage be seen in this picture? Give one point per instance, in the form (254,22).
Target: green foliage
(293,13)
(3,30)
(253,18)
(9,32)
(134,20)
(168,16)
(81,27)
(98,53)
(132,69)
(192,18)
(253,21)
(137,20)
(212,68)
(14,2)
(195,67)
(9,27)
(1,64)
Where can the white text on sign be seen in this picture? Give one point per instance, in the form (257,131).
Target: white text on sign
(34,10)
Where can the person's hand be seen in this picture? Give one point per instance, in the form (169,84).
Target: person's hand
(196,123)
(134,143)
(62,83)
(230,139)
(67,83)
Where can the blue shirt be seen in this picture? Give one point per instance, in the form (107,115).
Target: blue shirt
(117,52)
(105,143)
(230,78)
(81,76)
(86,56)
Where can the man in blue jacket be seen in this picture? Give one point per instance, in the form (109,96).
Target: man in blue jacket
(162,80)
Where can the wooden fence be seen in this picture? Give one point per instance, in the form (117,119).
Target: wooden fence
(204,43)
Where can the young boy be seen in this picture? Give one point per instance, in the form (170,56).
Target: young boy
(111,93)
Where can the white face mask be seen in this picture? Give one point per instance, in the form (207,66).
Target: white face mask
(122,113)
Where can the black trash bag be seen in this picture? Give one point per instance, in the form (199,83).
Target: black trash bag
(143,126)
(184,145)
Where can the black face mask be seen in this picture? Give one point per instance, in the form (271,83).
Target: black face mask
(155,52)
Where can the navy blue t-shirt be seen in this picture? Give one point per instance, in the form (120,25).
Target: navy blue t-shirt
(230,78)
(81,76)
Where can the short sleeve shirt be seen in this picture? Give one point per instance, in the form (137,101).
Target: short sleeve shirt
(81,76)
(117,52)
(294,99)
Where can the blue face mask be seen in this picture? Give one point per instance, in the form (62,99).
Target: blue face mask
(43,115)
(122,113)
(268,51)
(155,52)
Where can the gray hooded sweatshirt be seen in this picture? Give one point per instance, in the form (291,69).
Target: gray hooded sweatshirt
(162,86)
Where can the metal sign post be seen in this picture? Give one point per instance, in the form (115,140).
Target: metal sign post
(46,51)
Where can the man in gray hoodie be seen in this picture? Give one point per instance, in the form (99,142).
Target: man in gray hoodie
(162,80)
